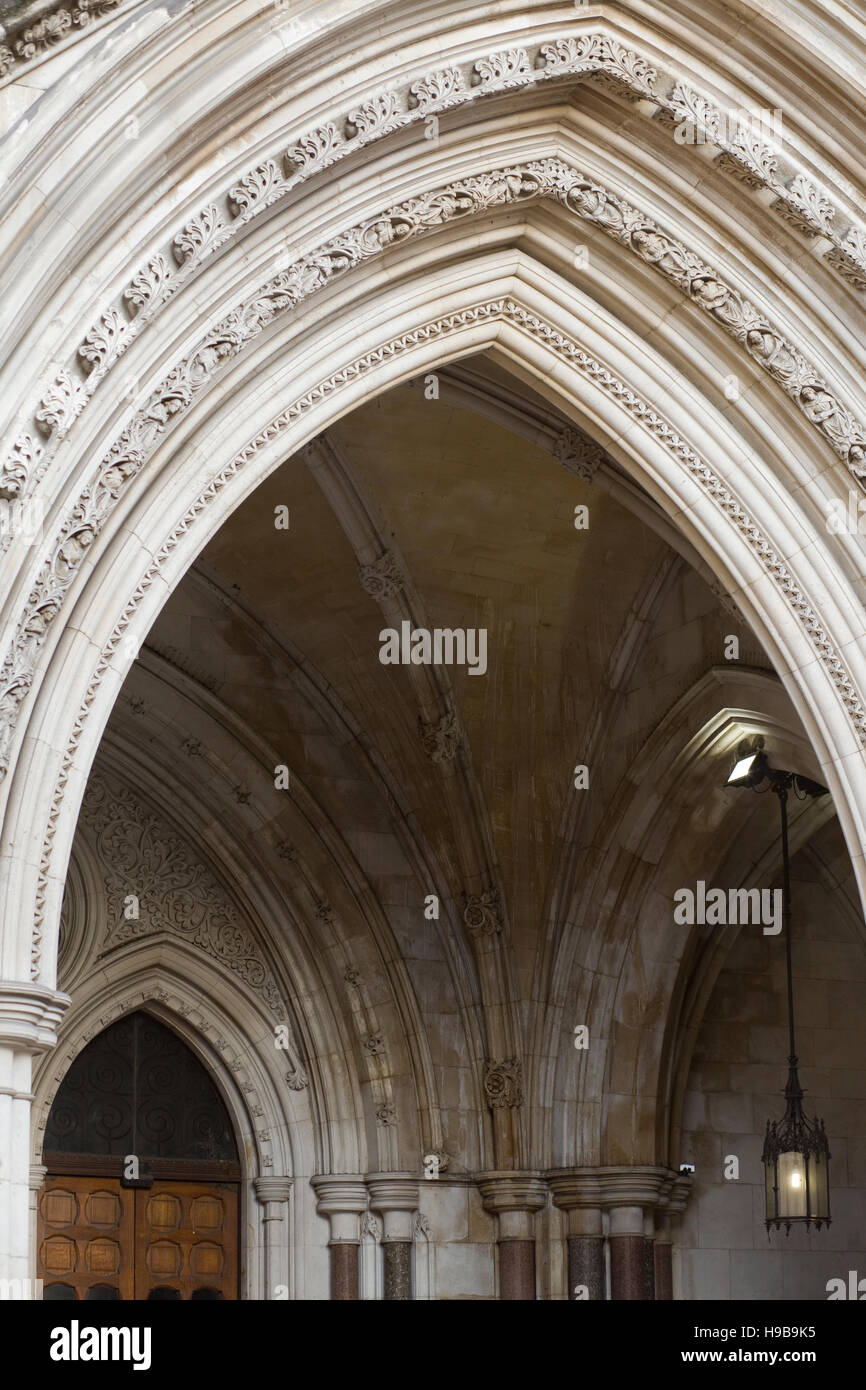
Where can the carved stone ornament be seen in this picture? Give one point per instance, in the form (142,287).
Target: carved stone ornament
(383,578)
(440,739)
(482,913)
(578,453)
(440,327)
(370,1226)
(141,855)
(593,55)
(386,1114)
(23,44)
(502,1084)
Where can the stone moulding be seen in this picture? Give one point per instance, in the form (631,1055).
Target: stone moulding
(594,55)
(30,40)
(522,183)
(509,311)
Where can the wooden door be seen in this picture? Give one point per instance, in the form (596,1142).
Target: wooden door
(186,1238)
(174,1240)
(86,1233)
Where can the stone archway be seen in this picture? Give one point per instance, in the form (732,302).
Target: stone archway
(276,366)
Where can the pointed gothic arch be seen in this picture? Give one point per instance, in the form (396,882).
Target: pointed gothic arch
(635,352)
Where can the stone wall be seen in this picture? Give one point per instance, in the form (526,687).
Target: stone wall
(738,1074)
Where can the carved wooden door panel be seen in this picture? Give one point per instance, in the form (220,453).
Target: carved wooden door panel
(186,1240)
(175,1240)
(86,1235)
(136,1091)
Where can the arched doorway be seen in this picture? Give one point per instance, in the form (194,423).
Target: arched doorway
(141,1192)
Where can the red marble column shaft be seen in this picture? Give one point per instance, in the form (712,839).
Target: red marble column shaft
(517,1270)
(663,1271)
(627,1267)
(344,1271)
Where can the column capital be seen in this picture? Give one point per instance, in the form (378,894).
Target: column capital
(395,1196)
(629,1185)
(392,1191)
(273,1189)
(512,1191)
(29,1014)
(572,1187)
(679,1192)
(339,1192)
(341,1197)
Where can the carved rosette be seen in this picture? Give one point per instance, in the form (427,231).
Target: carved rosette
(482,913)
(502,1084)
(383,578)
(578,453)
(440,739)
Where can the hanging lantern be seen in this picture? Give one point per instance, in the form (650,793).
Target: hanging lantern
(796,1152)
(795,1159)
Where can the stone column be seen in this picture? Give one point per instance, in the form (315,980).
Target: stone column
(662,1258)
(674,1205)
(630,1194)
(274,1194)
(649,1255)
(29,1015)
(579,1194)
(514,1198)
(342,1197)
(627,1266)
(395,1197)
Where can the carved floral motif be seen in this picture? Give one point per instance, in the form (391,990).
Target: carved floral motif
(482,913)
(49,30)
(502,1088)
(578,453)
(440,739)
(383,578)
